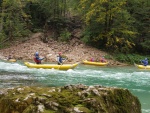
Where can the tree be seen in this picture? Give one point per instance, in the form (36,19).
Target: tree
(108,24)
(140,10)
(48,14)
(13,20)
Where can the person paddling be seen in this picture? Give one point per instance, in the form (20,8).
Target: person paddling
(92,59)
(144,62)
(37,59)
(9,57)
(60,59)
(102,59)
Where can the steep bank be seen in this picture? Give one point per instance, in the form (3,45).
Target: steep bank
(75,50)
(68,99)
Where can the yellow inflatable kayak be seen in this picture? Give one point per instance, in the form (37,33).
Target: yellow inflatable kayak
(142,66)
(12,60)
(95,63)
(51,66)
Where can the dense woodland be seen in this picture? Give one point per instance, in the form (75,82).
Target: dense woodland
(118,26)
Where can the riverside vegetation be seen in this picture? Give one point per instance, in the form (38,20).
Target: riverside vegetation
(113,26)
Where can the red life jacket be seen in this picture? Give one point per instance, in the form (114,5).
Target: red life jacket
(37,61)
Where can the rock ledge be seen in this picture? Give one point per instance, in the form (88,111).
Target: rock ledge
(68,99)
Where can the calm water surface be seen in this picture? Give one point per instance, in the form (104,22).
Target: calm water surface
(137,81)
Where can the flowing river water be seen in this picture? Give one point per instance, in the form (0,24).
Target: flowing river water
(137,81)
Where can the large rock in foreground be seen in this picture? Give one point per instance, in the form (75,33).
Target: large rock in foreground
(68,99)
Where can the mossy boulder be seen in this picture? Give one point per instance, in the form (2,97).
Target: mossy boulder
(68,99)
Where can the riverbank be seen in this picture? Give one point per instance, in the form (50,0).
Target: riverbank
(74,50)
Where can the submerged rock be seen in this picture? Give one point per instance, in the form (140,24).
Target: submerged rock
(68,99)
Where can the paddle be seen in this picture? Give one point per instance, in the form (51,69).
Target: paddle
(62,58)
(65,60)
(62,62)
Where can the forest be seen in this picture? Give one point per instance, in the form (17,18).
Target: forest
(116,26)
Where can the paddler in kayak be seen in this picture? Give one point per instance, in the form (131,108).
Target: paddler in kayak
(144,62)
(92,59)
(9,57)
(60,59)
(37,59)
(102,59)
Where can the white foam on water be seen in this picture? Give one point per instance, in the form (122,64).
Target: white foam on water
(145,110)
(121,76)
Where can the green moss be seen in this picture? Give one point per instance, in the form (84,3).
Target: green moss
(109,101)
(30,109)
(79,105)
(65,98)
(84,109)
(49,111)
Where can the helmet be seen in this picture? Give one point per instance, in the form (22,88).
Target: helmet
(146,59)
(36,54)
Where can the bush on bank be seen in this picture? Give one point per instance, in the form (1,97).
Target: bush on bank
(130,58)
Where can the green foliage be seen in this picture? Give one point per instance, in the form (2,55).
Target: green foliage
(146,45)
(129,58)
(109,25)
(2,37)
(13,20)
(36,12)
(86,36)
(3,40)
(108,57)
(86,39)
(65,35)
(140,10)
(116,26)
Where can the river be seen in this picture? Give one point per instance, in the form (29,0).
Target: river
(137,81)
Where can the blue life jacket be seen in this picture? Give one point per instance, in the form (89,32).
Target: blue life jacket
(145,62)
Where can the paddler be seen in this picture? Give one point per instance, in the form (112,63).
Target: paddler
(37,59)
(60,59)
(144,62)
(102,59)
